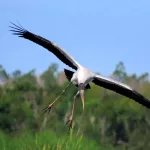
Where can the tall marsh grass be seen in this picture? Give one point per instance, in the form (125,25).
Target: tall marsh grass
(48,140)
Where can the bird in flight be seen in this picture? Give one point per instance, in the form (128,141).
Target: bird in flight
(82,76)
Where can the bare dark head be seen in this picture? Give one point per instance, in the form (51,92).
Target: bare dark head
(81,88)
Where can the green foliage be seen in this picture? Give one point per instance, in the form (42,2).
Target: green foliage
(48,140)
(120,72)
(109,119)
(3,75)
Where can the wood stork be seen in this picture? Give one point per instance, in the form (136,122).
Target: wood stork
(83,76)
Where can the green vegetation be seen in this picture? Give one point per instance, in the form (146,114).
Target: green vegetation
(48,140)
(109,122)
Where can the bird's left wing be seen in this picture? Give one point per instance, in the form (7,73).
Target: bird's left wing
(49,45)
(121,88)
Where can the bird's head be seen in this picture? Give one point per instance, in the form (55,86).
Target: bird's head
(81,90)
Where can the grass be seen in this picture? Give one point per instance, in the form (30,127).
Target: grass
(48,140)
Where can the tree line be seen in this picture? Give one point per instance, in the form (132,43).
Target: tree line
(108,118)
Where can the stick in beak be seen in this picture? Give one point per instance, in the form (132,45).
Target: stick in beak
(82,97)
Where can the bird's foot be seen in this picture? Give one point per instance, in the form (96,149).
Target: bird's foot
(70,121)
(47,109)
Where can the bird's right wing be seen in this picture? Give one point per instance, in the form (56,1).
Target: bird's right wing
(121,88)
(49,45)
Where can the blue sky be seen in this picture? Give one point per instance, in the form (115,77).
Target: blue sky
(104,32)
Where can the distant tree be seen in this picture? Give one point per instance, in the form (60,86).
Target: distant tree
(3,74)
(49,78)
(16,74)
(144,77)
(120,72)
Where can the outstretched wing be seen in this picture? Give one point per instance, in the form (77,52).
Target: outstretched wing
(49,45)
(121,88)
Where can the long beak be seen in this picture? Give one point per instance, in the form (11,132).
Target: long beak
(82,97)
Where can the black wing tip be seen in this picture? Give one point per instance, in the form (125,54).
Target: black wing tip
(17,29)
(142,99)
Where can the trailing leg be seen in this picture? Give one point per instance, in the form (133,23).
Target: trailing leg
(51,104)
(70,121)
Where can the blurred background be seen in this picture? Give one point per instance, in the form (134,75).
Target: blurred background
(110,38)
